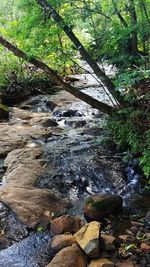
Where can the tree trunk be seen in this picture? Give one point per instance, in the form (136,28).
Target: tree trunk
(56,78)
(50,11)
(133,16)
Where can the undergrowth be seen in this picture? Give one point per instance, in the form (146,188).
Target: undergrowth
(130,126)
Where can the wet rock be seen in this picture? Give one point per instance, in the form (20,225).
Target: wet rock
(31,204)
(23,167)
(69,257)
(98,207)
(51,105)
(16,136)
(109,241)
(43,121)
(49,123)
(66,223)
(4,242)
(145,248)
(4,112)
(88,238)
(30,252)
(68,113)
(59,242)
(101,263)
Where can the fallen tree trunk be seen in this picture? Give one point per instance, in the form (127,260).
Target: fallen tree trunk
(51,12)
(56,78)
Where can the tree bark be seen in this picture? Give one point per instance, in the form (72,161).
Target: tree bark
(56,78)
(133,16)
(49,10)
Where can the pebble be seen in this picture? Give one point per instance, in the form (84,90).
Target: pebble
(134,229)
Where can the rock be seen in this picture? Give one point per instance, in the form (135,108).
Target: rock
(66,223)
(43,121)
(50,123)
(71,113)
(109,241)
(32,205)
(134,229)
(69,257)
(147,234)
(16,136)
(145,248)
(98,207)
(68,113)
(4,242)
(59,242)
(88,238)
(101,263)
(51,105)
(23,167)
(4,112)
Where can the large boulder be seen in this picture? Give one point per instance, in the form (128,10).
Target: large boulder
(98,207)
(4,112)
(88,238)
(69,257)
(66,223)
(32,205)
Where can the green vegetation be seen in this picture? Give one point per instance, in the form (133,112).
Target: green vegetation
(116,31)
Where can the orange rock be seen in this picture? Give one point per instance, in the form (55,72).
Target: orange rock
(61,241)
(101,263)
(109,242)
(69,257)
(66,223)
(145,248)
(88,238)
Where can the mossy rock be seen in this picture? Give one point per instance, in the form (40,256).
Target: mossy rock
(98,207)
(4,112)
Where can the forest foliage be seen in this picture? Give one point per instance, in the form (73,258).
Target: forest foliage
(116,31)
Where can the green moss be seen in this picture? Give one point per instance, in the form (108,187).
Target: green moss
(4,108)
(99,205)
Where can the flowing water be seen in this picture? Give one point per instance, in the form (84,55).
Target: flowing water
(80,164)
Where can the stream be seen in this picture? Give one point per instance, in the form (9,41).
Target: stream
(81,161)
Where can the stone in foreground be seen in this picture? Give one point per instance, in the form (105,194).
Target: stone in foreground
(88,238)
(59,242)
(109,242)
(69,257)
(101,263)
